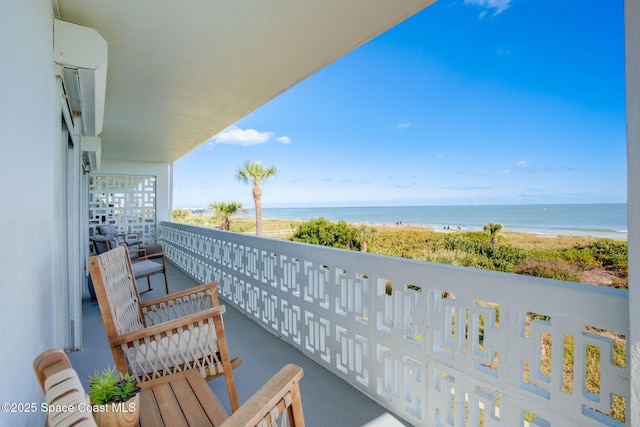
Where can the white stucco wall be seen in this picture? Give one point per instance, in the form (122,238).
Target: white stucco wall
(632,45)
(29,156)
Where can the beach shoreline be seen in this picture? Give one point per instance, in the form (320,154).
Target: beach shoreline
(550,233)
(603,220)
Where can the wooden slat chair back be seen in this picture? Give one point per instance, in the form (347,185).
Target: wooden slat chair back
(122,298)
(62,388)
(165,335)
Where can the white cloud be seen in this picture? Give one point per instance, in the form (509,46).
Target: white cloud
(503,50)
(284,140)
(521,166)
(466,187)
(498,6)
(235,136)
(403,126)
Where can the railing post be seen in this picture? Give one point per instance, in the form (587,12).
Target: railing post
(632,68)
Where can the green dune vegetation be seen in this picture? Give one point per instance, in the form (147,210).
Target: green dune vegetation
(570,258)
(585,259)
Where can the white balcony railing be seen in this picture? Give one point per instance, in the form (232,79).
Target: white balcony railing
(445,346)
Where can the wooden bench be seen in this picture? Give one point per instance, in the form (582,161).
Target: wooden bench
(185,399)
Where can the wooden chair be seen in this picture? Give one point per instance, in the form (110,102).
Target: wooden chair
(278,400)
(61,386)
(165,335)
(110,230)
(144,261)
(279,396)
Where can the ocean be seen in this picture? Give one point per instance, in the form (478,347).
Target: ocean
(600,219)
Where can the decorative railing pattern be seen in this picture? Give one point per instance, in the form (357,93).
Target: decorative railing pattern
(436,344)
(128,201)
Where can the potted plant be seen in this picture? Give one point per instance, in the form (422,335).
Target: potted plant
(114,398)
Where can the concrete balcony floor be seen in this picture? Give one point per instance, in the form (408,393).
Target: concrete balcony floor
(327,399)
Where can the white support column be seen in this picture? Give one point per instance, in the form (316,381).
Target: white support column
(170,195)
(75,212)
(632,64)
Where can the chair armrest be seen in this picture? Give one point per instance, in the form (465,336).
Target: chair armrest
(137,257)
(130,239)
(157,331)
(152,248)
(145,256)
(179,295)
(281,391)
(179,304)
(132,233)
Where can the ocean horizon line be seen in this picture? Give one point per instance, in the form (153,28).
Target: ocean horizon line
(290,206)
(287,206)
(592,219)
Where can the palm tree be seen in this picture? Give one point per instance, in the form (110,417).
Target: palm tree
(366,234)
(493,228)
(224,211)
(179,215)
(255,173)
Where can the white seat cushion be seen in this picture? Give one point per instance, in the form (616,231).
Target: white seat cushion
(178,349)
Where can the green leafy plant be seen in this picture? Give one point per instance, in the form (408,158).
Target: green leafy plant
(493,228)
(320,231)
(224,211)
(110,386)
(180,215)
(548,269)
(366,234)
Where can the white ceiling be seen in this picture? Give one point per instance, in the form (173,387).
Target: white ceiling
(180,71)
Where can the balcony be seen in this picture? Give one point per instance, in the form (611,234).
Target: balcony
(445,345)
(263,354)
(428,344)
(434,344)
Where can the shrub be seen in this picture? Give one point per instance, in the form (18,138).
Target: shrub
(612,254)
(481,253)
(179,215)
(197,220)
(243,227)
(320,231)
(401,243)
(579,257)
(548,269)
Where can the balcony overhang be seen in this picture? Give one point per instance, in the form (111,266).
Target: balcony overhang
(180,72)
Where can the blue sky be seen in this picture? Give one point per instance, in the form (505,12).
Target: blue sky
(467,102)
